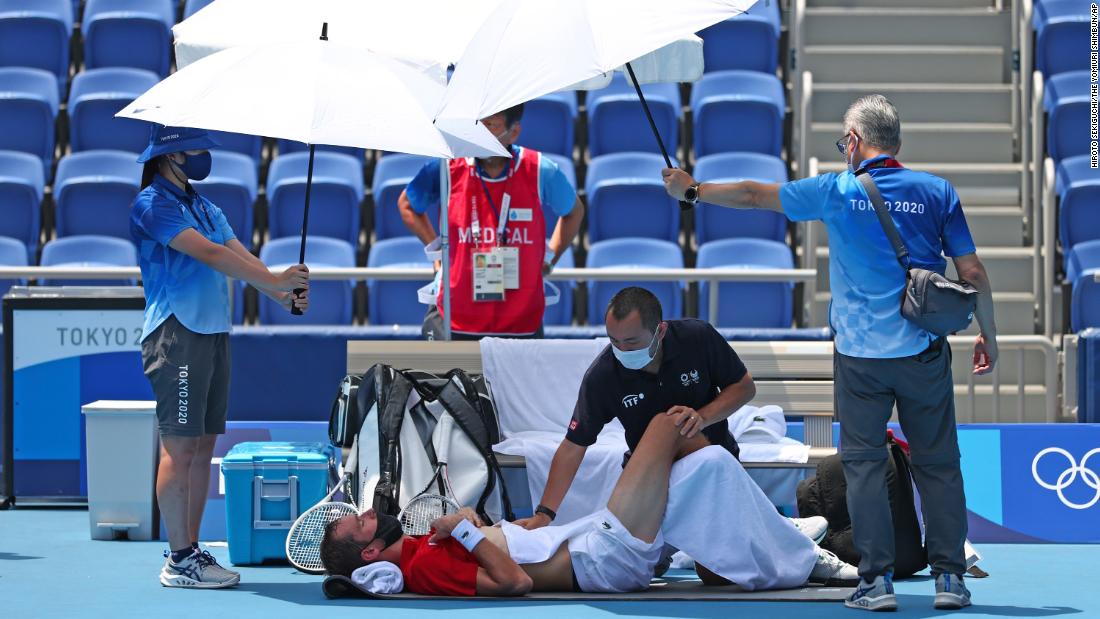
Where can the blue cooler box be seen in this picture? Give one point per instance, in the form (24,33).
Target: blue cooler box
(267,485)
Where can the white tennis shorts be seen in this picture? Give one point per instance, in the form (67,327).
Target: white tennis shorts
(608,559)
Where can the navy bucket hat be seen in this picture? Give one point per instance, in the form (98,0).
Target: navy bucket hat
(164,140)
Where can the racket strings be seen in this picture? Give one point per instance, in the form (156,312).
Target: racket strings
(304,540)
(421,512)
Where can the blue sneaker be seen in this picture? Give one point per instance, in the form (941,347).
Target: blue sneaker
(877,595)
(951,593)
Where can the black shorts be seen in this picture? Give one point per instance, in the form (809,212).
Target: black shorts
(189,373)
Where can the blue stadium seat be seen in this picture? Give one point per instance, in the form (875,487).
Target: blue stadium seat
(548,123)
(1082,257)
(1067,100)
(561,313)
(1078,187)
(626,198)
(37,35)
(96,96)
(128,33)
(251,145)
(1084,263)
(13,253)
(21,189)
(330,302)
(391,175)
(738,111)
(638,253)
(716,222)
(94,192)
(570,170)
(190,7)
(395,302)
(28,113)
(748,41)
(290,146)
(617,123)
(748,305)
(89,251)
(1061,36)
(232,186)
(334,201)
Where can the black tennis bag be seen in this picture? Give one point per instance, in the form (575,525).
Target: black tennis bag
(395,416)
(825,495)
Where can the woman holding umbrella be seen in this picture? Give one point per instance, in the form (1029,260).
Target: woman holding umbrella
(187,250)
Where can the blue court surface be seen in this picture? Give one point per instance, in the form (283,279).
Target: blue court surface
(49,567)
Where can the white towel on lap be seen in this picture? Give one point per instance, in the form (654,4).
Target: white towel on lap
(380,577)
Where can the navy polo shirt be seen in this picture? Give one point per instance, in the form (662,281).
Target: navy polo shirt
(696,363)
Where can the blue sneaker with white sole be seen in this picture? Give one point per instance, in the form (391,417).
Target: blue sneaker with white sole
(877,595)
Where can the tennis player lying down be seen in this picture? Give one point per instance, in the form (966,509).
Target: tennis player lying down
(731,529)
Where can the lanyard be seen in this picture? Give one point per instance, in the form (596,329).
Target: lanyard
(502,213)
(205,213)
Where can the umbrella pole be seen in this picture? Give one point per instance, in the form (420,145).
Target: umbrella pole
(652,125)
(305,227)
(444,244)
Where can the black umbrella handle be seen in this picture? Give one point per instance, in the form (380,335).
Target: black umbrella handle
(684,206)
(305,228)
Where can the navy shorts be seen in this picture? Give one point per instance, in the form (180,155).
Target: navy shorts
(189,373)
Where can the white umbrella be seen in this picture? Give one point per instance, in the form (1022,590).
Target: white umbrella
(317,92)
(552,45)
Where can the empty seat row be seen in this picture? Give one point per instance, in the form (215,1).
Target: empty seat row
(1062,36)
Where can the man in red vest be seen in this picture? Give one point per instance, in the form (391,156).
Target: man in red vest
(500,248)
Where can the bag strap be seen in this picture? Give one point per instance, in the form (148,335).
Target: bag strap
(395,390)
(469,419)
(900,251)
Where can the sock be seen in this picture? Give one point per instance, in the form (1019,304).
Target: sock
(183,553)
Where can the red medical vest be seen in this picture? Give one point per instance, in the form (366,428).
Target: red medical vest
(520,313)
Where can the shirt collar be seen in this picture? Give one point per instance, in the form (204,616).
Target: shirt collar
(162,183)
(884,161)
(515,150)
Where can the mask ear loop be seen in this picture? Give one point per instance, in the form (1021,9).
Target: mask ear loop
(852,153)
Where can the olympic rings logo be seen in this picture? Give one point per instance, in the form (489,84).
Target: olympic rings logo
(1068,476)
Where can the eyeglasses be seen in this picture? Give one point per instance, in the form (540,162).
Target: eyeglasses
(842,143)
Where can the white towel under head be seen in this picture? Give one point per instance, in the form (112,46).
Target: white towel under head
(379,577)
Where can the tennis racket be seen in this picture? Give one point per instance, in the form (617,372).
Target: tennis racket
(303,541)
(418,515)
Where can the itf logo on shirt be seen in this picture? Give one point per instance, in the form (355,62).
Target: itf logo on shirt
(632,399)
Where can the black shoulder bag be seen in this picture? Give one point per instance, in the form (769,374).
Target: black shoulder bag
(930,300)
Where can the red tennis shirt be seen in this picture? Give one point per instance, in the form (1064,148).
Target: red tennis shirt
(442,568)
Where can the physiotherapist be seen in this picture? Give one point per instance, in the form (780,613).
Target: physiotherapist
(881,359)
(500,246)
(186,250)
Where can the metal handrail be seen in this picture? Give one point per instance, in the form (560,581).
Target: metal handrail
(399,274)
(1015,22)
(1038,129)
(1050,214)
(809,254)
(804,110)
(1021,343)
(1025,103)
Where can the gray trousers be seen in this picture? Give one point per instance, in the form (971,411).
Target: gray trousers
(866,391)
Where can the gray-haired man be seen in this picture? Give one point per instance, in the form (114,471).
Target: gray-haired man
(881,359)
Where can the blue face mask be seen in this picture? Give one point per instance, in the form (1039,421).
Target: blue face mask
(637,359)
(196,167)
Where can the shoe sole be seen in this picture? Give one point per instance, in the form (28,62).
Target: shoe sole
(183,582)
(884,603)
(950,601)
(835,582)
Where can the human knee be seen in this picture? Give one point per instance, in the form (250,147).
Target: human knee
(179,451)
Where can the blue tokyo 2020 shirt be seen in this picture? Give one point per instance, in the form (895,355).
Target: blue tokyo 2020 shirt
(555,191)
(176,283)
(865,277)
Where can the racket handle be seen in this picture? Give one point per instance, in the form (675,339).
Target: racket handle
(294,308)
(445,424)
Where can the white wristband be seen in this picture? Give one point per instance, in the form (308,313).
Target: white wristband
(467,534)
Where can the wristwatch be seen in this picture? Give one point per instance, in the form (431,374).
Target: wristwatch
(551,514)
(691,194)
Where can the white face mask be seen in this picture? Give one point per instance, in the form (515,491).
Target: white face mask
(852,154)
(637,359)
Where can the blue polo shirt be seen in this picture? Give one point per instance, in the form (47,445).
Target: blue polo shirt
(176,283)
(865,277)
(555,191)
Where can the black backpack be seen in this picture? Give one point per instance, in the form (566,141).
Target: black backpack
(825,495)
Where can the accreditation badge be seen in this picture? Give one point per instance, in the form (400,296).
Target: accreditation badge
(488,269)
(510,258)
